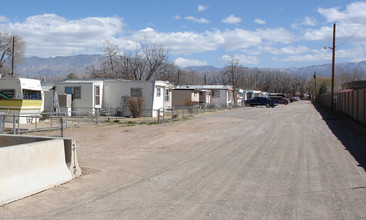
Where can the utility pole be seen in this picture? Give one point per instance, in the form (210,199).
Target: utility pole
(314,86)
(333,61)
(178,76)
(12,60)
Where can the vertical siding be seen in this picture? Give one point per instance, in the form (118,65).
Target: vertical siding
(351,103)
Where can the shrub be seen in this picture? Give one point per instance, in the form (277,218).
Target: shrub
(135,105)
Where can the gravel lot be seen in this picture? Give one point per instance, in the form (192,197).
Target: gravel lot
(251,163)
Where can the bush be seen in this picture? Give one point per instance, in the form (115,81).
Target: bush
(188,102)
(135,105)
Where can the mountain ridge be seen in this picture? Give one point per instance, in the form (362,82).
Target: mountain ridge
(61,66)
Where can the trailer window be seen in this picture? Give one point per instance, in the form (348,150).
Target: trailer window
(167,97)
(215,93)
(7,93)
(74,91)
(136,92)
(32,94)
(97,95)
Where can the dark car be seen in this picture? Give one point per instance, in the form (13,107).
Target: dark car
(280,100)
(294,99)
(260,101)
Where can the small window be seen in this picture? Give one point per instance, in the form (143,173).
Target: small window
(215,94)
(97,95)
(7,93)
(167,97)
(68,90)
(136,92)
(32,94)
(77,92)
(74,91)
(158,92)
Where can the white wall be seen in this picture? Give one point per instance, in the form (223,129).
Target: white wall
(87,100)
(114,90)
(223,100)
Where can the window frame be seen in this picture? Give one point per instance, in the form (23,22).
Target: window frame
(97,95)
(136,92)
(10,93)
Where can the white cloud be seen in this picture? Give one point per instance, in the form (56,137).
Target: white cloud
(51,35)
(290,50)
(232,19)
(202,7)
(239,39)
(260,21)
(193,42)
(177,17)
(315,57)
(3,19)
(182,62)
(350,24)
(182,42)
(307,21)
(198,20)
(280,34)
(243,59)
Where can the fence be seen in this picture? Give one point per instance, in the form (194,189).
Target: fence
(351,103)
(12,123)
(22,123)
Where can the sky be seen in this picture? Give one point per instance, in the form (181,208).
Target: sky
(259,33)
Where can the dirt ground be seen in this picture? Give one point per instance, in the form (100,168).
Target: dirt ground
(251,163)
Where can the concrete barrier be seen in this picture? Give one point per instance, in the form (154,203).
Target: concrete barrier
(69,148)
(31,164)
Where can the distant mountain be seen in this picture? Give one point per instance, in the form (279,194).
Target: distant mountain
(326,69)
(56,67)
(59,67)
(202,68)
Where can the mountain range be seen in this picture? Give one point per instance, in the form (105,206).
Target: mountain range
(59,67)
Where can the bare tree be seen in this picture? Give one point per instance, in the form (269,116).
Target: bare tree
(184,77)
(109,59)
(343,77)
(148,61)
(6,52)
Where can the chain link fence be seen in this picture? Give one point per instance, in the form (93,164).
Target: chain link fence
(24,123)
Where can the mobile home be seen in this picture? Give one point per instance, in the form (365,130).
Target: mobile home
(21,96)
(155,95)
(220,95)
(86,95)
(185,96)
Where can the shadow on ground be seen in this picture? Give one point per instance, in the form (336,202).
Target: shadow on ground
(351,133)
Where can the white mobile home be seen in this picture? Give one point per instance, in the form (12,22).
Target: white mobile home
(239,97)
(155,94)
(185,96)
(86,95)
(21,96)
(221,95)
(249,94)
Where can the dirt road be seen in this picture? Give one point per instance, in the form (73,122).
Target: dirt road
(252,163)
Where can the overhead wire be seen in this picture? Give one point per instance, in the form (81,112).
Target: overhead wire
(362,25)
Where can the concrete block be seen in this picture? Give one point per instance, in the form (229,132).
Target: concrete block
(29,168)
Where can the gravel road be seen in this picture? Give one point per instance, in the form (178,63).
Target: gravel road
(251,163)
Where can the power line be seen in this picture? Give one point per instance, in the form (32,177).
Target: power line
(354,34)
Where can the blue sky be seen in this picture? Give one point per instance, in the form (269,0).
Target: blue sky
(259,33)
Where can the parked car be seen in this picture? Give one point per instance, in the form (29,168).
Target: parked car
(294,99)
(280,100)
(260,101)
